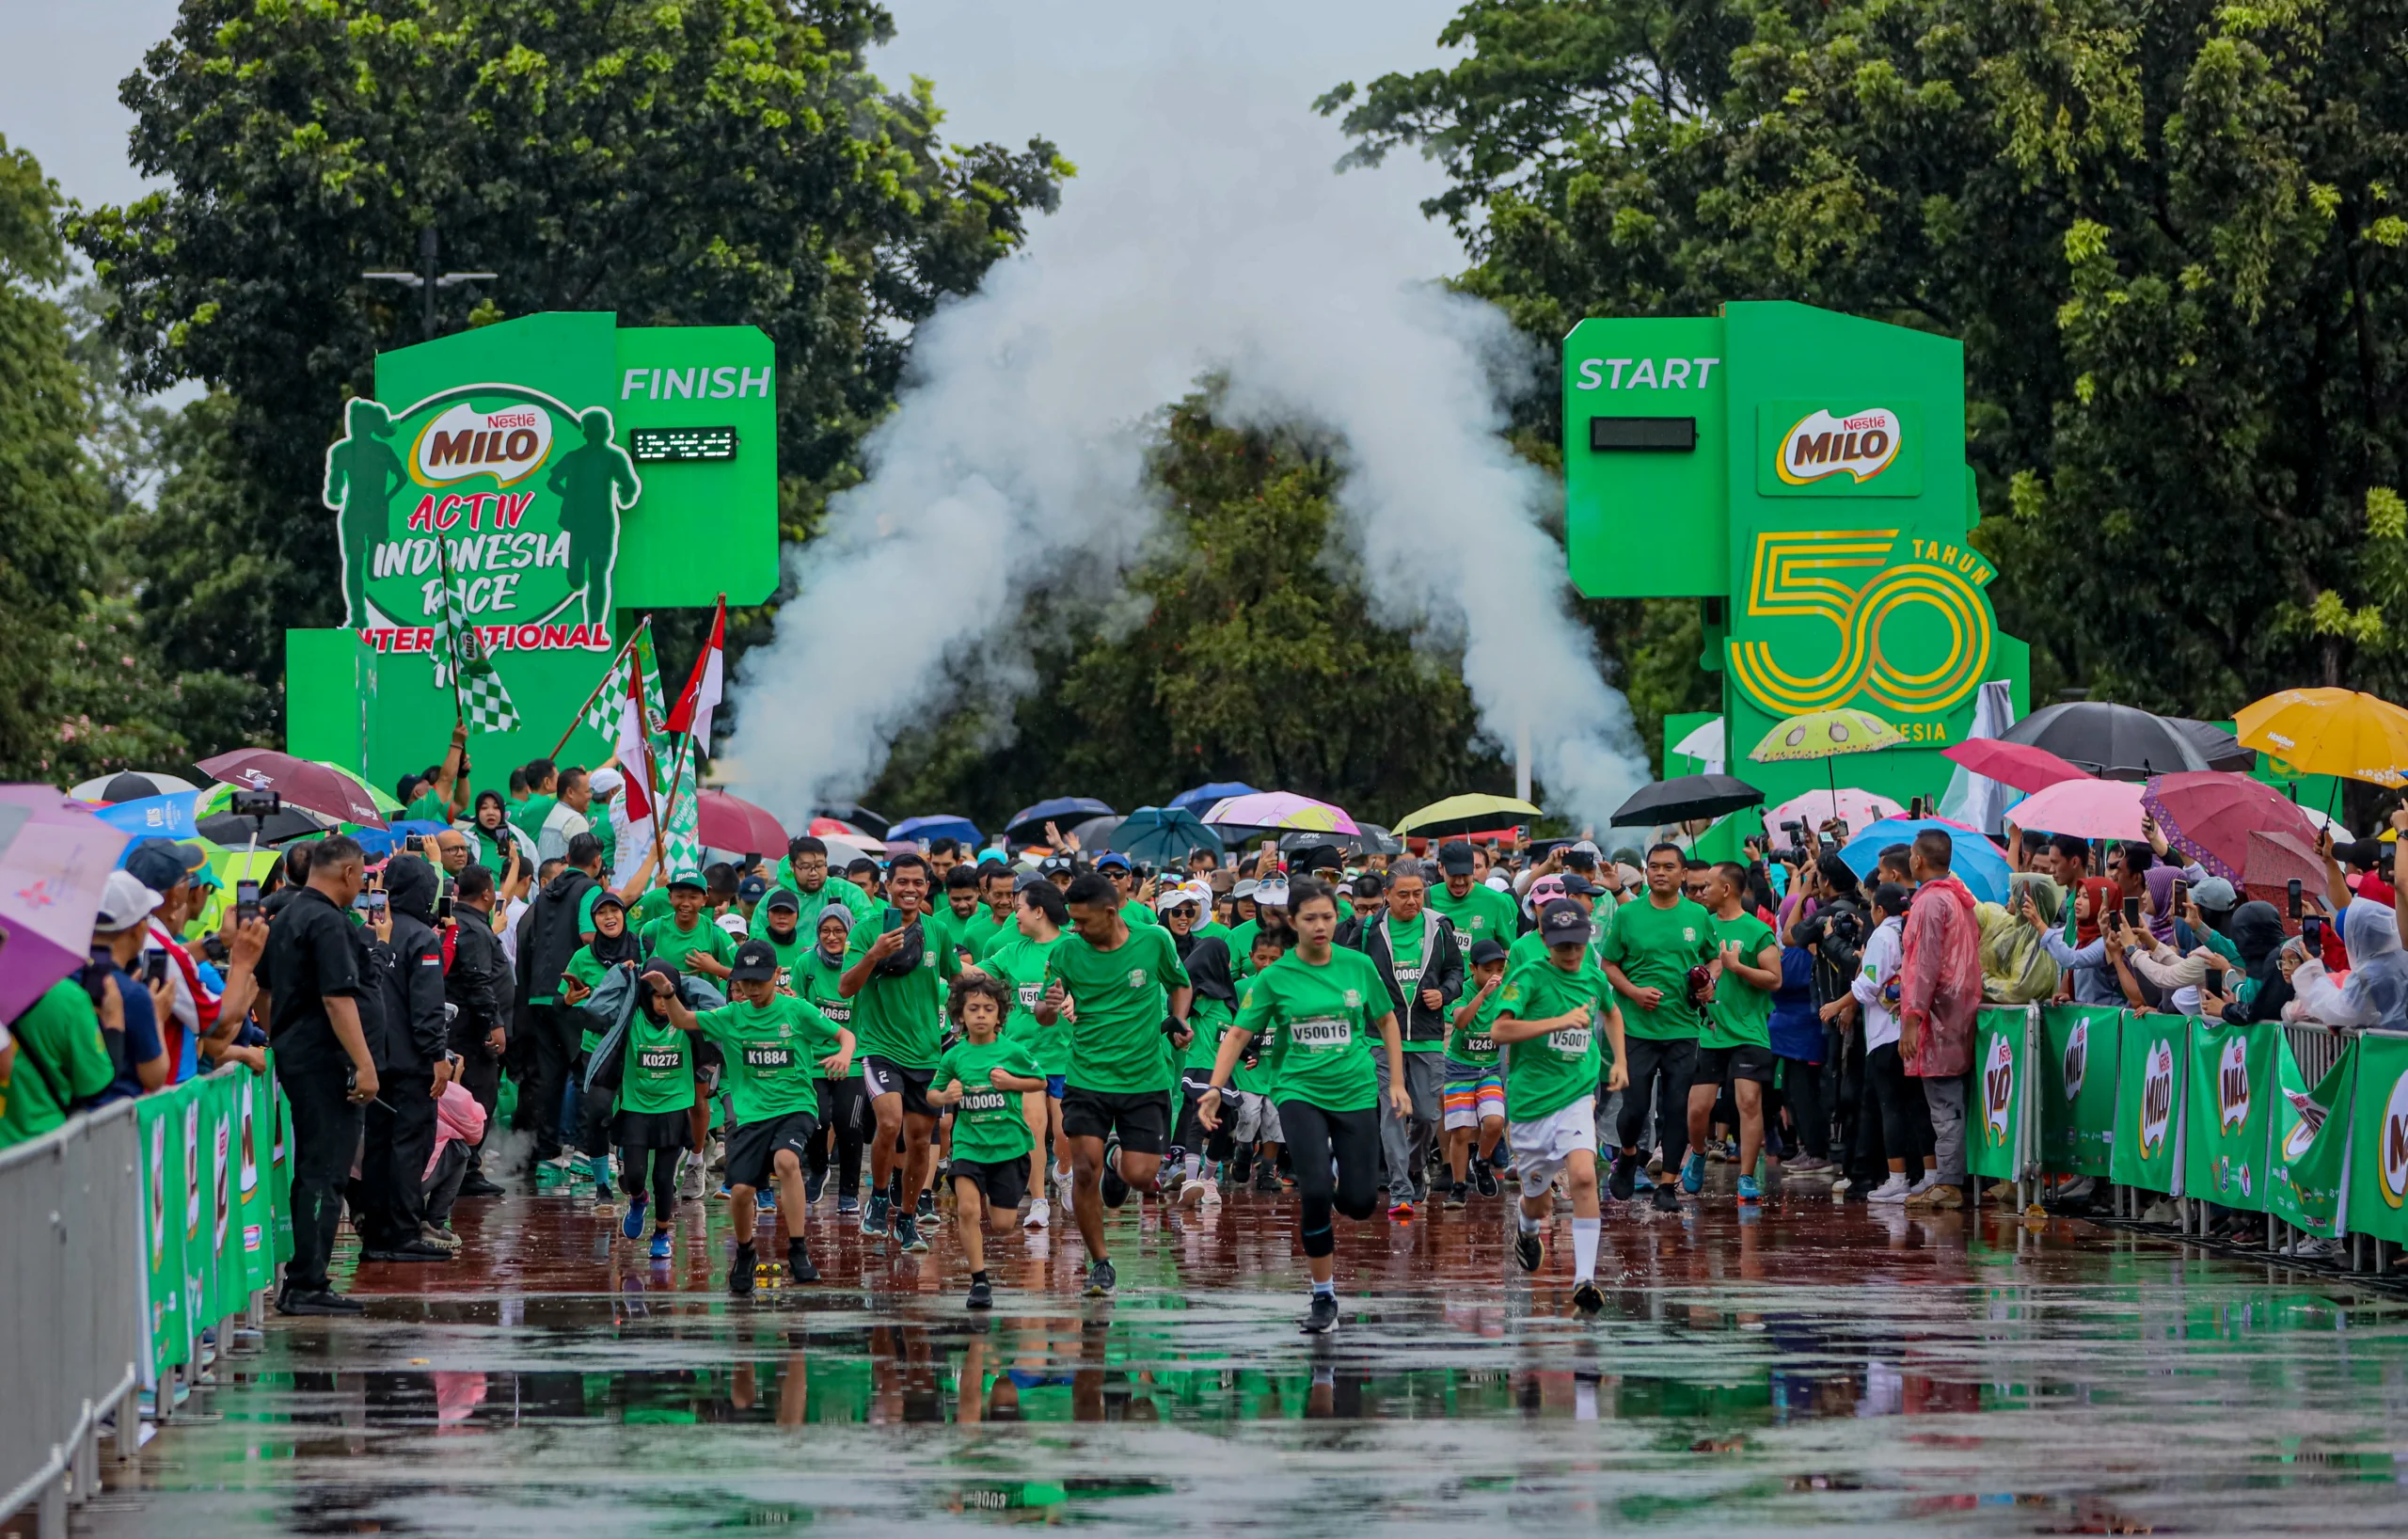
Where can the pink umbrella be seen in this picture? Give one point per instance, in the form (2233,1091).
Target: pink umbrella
(2025,767)
(2089,809)
(730,822)
(313,787)
(1283,810)
(1854,807)
(2208,814)
(54,857)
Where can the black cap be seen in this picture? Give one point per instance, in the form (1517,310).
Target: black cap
(751,889)
(784,901)
(1319,858)
(756,962)
(1455,858)
(1579,886)
(1485,952)
(1562,923)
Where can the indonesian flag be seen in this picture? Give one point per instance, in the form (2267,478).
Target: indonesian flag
(693,712)
(634,749)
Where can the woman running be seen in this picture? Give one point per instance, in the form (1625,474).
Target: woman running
(811,974)
(1320,1006)
(656,1091)
(613,945)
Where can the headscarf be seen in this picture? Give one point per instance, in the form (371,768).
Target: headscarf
(2256,930)
(2104,896)
(1208,969)
(843,918)
(2376,994)
(2258,934)
(2043,890)
(491,843)
(611,950)
(2161,878)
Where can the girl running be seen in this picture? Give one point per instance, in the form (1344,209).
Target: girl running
(983,1076)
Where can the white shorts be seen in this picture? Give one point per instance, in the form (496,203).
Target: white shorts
(1252,1117)
(1540,1147)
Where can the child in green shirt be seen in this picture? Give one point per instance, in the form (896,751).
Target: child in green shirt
(986,1078)
(1475,1085)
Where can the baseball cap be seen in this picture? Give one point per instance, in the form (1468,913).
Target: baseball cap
(1113,861)
(785,898)
(1319,858)
(752,889)
(160,863)
(756,962)
(1247,887)
(1562,923)
(1547,890)
(125,902)
(606,781)
(1177,895)
(1455,857)
(1577,885)
(2214,895)
(1485,952)
(689,877)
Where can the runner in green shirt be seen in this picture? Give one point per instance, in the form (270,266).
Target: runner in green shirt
(804,873)
(953,918)
(1736,1044)
(988,1078)
(656,1096)
(895,972)
(1320,1006)
(1475,1091)
(1552,1017)
(992,924)
(815,972)
(1479,911)
(1019,960)
(1652,944)
(688,938)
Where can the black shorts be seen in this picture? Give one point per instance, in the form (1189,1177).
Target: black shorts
(1142,1117)
(1002,1183)
(651,1130)
(884,1076)
(752,1148)
(1747,1061)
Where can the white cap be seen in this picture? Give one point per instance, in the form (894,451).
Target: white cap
(1272,893)
(1497,880)
(607,782)
(124,903)
(1247,887)
(1174,896)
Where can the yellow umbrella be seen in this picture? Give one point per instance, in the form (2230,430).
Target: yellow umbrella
(1822,735)
(1465,814)
(2330,732)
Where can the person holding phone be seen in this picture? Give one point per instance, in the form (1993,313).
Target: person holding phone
(130,1006)
(897,978)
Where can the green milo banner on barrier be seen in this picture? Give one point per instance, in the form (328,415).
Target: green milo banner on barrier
(2311,1144)
(2377,1178)
(160,1120)
(2152,1064)
(2229,1110)
(1994,1144)
(2077,1088)
(217,1171)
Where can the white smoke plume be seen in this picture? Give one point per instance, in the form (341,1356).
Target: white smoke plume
(1221,240)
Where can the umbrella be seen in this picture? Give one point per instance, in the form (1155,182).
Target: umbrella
(1283,810)
(2022,766)
(1163,836)
(874,824)
(2119,742)
(313,786)
(940,825)
(232,828)
(1094,834)
(1371,839)
(1704,742)
(377,794)
(2277,859)
(1850,805)
(168,817)
(2208,816)
(1978,863)
(1826,735)
(843,853)
(836,828)
(2091,809)
(1687,799)
(1200,799)
(55,856)
(130,785)
(1027,826)
(1468,814)
(2221,749)
(730,822)
(2344,732)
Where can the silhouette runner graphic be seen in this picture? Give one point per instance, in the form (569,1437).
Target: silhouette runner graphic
(593,485)
(362,475)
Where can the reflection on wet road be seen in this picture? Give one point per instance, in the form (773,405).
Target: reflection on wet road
(1809,1365)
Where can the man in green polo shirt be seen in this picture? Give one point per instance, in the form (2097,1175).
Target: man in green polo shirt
(1648,953)
(543,794)
(896,972)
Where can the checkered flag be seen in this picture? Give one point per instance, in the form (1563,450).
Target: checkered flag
(461,662)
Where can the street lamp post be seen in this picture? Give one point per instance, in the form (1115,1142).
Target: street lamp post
(427,279)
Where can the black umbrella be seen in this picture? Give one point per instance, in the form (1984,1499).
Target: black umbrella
(1686,800)
(2221,749)
(857,815)
(2114,742)
(233,829)
(1027,826)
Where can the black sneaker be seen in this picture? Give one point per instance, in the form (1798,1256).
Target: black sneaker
(874,1223)
(739,1272)
(1589,1298)
(908,1236)
(1115,1191)
(848,1206)
(813,1185)
(298,1301)
(1526,1249)
(413,1250)
(1458,1195)
(479,1186)
(1624,1179)
(1321,1317)
(1266,1179)
(799,1265)
(1667,1199)
(982,1295)
(928,1208)
(1484,1176)
(1101,1278)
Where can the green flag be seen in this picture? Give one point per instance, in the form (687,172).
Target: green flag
(2229,1107)
(2377,1161)
(2311,1145)
(2153,1061)
(2078,1063)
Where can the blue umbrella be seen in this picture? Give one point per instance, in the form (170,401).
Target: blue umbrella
(937,825)
(1163,836)
(1028,824)
(1977,861)
(1200,799)
(378,842)
(168,817)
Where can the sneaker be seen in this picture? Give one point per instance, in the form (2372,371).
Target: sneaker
(1841,1186)
(1623,1181)
(1893,1190)
(874,1223)
(1939,1195)
(1191,1192)
(1717,1153)
(1589,1298)
(1062,1189)
(1115,1191)
(908,1236)
(1806,1165)
(689,1180)
(926,1211)
(982,1295)
(1266,1180)
(848,1206)
(1040,1213)
(1526,1249)
(1693,1173)
(1321,1316)
(660,1246)
(2312,1249)
(477,1185)
(1101,1278)
(739,1272)
(316,1301)
(1484,1176)
(632,1225)
(1458,1195)
(812,1184)
(1656,1162)
(1642,1180)
(2162,1211)
(1211,1197)
(1750,1192)
(799,1265)
(1924,1183)
(434,1234)
(413,1251)
(1666,1199)
(1402,1209)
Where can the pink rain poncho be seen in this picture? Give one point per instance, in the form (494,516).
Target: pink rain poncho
(1940,977)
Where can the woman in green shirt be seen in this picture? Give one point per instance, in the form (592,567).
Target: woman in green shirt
(652,1129)
(489,831)
(811,975)
(613,945)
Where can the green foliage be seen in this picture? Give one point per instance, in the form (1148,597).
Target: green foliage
(2170,237)
(708,162)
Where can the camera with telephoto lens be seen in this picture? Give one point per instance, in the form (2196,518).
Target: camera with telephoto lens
(254,803)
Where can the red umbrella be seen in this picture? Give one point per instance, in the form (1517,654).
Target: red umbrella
(730,822)
(313,787)
(2208,814)
(2021,766)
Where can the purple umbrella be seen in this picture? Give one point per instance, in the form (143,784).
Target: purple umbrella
(54,857)
(311,786)
(1282,810)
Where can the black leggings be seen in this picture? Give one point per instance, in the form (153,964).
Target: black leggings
(1906,1126)
(1670,1063)
(664,1178)
(1315,1135)
(847,1111)
(1802,1090)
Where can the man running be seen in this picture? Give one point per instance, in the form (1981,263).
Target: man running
(1736,1044)
(896,974)
(1648,954)
(1478,911)
(1111,981)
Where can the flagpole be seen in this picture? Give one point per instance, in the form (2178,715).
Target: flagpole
(608,675)
(451,637)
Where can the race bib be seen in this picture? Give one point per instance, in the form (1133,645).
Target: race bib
(1572,1042)
(1323,1032)
(1031,994)
(839,1012)
(1408,975)
(1482,1043)
(983,1101)
(762,1056)
(664,1059)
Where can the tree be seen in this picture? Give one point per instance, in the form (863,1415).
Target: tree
(708,162)
(2170,238)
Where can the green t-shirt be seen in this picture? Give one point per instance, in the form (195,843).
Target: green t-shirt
(789,954)
(814,977)
(988,1123)
(980,932)
(900,1019)
(834,890)
(1482,913)
(663,938)
(953,926)
(1656,948)
(427,807)
(59,1052)
(1473,1044)
(1210,1019)
(1020,967)
(1116,1041)
(1323,1027)
(1531,947)
(528,817)
(1404,944)
(1547,1074)
(659,1072)
(773,1053)
(651,907)
(1242,949)
(1741,1014)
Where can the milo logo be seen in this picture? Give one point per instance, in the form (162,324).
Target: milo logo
(2232,1084)
(158,1192)
(2077,1059)
(2157,1096)
(1860,444)
(192,1170)
(1998,1090)
(2394,1148)
(250,1149)
(2310,1118)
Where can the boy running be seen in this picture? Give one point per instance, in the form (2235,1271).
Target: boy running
(1648,954)
(1475,1093)
(985,1077)
(1019,962)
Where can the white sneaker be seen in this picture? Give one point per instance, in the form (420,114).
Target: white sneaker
(1924,1183)
(1893,1190)
(2079,1190)
(689,1180)
(1192,1192)
(1841,1186)
(2312,1249)
(1062,1188)
(2162,1211)
(1040,1213)
(1211,1195)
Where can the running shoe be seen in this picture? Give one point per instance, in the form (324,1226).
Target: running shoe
(1101,1278)
(1040,1213)
(1115,1191)
(1716,1153)
(1402,1209)
(812,1184)
(799,1265)
(1924,1183)
(1893,1190)
(848,1206)
(1458,1195)
(1667,1200)
(982,1295)
(1626,1174)
(1191,1192)
(1266,1180)
(1693,1173)
(1484,1176)
(1750,1192)
(928,1209)
(632,1225)
(874,1223)
(1321,1317)
(1589,1298)
(739,1272)
(1526,1249)
(907,1235)
(660,1246)
(1644,1180)
(689,1180)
